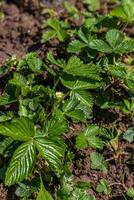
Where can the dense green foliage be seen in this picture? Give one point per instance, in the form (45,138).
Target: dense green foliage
(41,98)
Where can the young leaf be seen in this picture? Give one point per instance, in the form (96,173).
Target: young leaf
(51,151)
(129,135)
(130,192)
(32,61)
(125,11)
(90,137)
(18,80)
(98,162)
(48,35)
(43,193)
(72,10)
(114,38)
(104,187)
(93,5)
(81,195)
(21,163)
(20,129)
(56,25)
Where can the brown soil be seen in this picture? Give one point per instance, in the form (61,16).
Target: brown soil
(120,174)
(20,32)
(3,192)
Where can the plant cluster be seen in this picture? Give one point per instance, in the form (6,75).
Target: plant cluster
(41,98)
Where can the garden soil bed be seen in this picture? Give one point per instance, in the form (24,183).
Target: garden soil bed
(20,33)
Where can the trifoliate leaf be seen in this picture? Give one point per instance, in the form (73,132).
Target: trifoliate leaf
(56,25)
(129,135)
(90,137)
(104,187)
(32,62)
(98,162)
(124,11)
(82,195)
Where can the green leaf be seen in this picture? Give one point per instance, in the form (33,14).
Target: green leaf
(76,67)
(48,35)
(128,7)
(130,192)
(104,187)
(118,12)
(77,115)
(117,71)
(84,35)
(57,125)
(72,10)
(20,129)
(21,164)
(129,135)
(70,104)
(117,43)
(75,46)
(4,144)
(52,151)
(114,38)
(126,46)
(101,46)
(98,162)
(18,80)
(75,83)
(81,195)
(6,99)
(125,11)
(31,61)
(56,25)
(93,5)
(88,111)
(51,58)
(43,193)
(84,97)
(90,137)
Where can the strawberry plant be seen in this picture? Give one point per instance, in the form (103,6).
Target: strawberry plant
(66,110)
